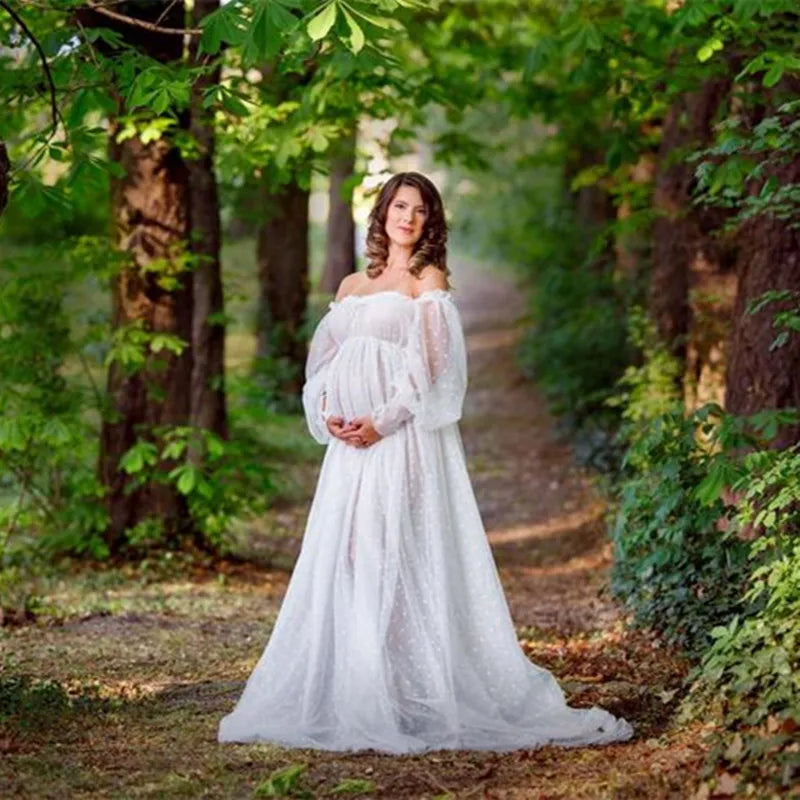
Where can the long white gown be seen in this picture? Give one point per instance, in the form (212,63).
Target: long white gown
(394,633)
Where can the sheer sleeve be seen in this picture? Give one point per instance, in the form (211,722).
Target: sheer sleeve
(321,351)
(433,381)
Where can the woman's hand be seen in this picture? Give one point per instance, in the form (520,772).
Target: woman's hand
(361,433)
(356,433)
(337,426)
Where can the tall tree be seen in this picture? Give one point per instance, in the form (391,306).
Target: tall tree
(681,234)
(340,257)
(282,247)
(760,374)
(207,405)
(283,278)
(152,293)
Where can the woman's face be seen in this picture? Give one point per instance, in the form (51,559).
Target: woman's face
(405,218)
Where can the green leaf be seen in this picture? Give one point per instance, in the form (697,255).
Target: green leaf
(319,26)
(378,22)
(174,449)
(709,48)
(223,26)
(263,34)
(282,781)
(710,488)
(356,34)
(353,786)
(773,74)
(319,142)
(187,479)
(215,446)
(141,454)
(261,28)
(12,437)
(281,17)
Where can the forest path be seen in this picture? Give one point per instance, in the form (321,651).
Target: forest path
(158,662)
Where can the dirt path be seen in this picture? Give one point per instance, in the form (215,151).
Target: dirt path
(157,662)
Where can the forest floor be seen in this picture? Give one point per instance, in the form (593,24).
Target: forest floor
(125,673)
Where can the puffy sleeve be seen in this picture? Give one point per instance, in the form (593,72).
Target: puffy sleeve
(431,385)
(321,351)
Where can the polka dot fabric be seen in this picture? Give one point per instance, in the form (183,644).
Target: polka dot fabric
(394,633)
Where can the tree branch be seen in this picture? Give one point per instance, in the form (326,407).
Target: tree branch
(140,23)
(35,42)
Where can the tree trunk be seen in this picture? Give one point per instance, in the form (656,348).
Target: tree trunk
(712,291)
(632,248)
(769,258)
(340,258)
(680,233)
(5,167)
(593,205)
(283,280)
(150,210)
(207,404)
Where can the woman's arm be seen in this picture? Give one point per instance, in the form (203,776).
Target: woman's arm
(321,351)
(432,385)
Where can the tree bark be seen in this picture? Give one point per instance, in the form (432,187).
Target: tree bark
(769,258)
(5,167)
(150,208)
(340,259)
(680,233)
(593,205)
(207,405)
(283,280)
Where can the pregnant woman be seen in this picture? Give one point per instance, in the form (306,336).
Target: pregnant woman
(394,633)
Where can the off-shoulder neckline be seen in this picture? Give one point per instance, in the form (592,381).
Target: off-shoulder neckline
(445,292)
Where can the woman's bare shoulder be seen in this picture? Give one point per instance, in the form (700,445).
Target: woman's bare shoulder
(350,284)
(431,277)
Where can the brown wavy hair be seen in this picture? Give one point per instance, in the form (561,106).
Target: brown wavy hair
(431,249)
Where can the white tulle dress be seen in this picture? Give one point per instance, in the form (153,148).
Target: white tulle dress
(394,633)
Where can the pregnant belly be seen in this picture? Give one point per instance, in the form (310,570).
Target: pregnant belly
(360,377)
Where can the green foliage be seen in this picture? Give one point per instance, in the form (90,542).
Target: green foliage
(744,157)
(47,478)
(674,566)
(706,550)
(649,389)
(354,786)
(576,346)
(286,782)
(30,704)
(786,320)
(290,782)
(751,671)
(222,480)
(679,563)
(574,343)
(267,385)
(27,701)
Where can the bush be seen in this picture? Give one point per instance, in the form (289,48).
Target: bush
(751,671)
(673,566)
(47,474)
(576,348)
(706,540)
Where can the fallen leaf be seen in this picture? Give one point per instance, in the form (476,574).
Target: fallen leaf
(702,793)
(726,784)
(734,749)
